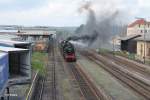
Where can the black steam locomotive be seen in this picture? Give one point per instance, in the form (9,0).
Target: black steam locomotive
(68,51)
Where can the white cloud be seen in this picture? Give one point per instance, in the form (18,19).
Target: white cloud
(144,3)
(64,12)
(53,11)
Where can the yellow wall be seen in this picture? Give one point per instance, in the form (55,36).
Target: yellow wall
(140,49)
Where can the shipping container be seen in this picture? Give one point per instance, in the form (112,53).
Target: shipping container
(19,65)
(4,72)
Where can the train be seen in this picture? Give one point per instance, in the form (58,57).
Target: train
(68,51)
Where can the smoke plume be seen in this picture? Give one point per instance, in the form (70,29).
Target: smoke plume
(100,27)
(85,38)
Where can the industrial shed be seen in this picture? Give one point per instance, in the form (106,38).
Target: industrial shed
(19,62)
(129,44)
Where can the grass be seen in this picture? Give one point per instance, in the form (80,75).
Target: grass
(39,61)
(103,50)
(120,53)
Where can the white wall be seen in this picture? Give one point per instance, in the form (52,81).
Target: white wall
(137,30)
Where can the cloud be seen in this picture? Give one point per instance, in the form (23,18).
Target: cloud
(64,12)
(12,5)
(144,3)
(52,13)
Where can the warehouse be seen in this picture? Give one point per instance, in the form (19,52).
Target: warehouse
(19,65)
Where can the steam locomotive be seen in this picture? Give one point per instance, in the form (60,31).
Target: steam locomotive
(68,51)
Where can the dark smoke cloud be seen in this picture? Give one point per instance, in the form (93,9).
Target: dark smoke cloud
(98,30)
(85,38)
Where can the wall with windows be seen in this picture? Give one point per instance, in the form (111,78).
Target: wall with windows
(138,29)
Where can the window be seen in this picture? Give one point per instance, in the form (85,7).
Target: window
(145,31)
(139,25)
(148,51)
(141,31)
(141,49)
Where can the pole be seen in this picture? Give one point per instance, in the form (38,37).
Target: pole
(144,42)
(113,47)
(8,93)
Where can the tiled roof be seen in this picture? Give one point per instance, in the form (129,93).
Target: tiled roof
(139,21)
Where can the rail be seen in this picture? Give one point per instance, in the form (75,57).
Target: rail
(132,82)
(31,89)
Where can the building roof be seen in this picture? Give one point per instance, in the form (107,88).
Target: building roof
(147,37)
(12,43)
(130,37)
(8,31)
(139,21)
(35,32)
(2,54)
(11,49)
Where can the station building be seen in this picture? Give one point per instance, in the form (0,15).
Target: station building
(35,35)
(39,38)
(139,26)
(143,46)
(137,39)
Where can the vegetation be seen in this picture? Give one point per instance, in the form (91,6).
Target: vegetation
(103,50)
(120,53)
(39,61)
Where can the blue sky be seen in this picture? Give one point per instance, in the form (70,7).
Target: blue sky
(65,12)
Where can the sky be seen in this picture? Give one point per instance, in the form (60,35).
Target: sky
(66,12)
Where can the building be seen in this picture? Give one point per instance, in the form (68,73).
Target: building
(16,44)
(39,38)
(137,40)
(19,69)
(137,44)
(138,27)
(129,44)
(143,46)
(116,42)
(8,34)
(35,35)
(19,64)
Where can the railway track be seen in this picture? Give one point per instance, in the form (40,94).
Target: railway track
(128,65)
(46,86)
(87,88)
(133,83)
(39,89)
